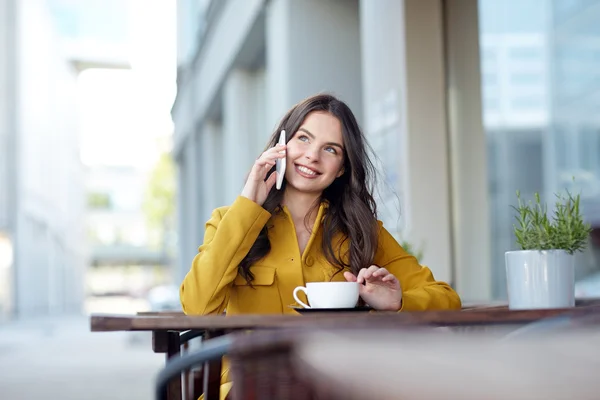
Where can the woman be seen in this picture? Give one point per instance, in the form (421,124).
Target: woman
(321,226)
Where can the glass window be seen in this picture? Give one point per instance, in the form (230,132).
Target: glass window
(549,132)
(526,78)
(526,53)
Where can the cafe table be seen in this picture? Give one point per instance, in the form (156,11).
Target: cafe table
(166,327)
(430,365)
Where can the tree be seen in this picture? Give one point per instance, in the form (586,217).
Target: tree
(159,200)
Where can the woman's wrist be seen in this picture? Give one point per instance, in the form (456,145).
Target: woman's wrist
(248,194)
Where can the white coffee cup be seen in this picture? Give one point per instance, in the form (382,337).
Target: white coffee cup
(329,294)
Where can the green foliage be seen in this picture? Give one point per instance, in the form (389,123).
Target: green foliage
(412,250)
(565,230)
(159,201)
(409,247)
(98,201)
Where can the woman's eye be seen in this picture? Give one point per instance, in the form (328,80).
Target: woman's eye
(331,150)
(303,138)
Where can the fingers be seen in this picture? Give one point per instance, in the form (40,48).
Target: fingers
(375,273)
(349,276)
(366,273)
(271,181)
(274,153)
(255,186)
(267,160)
(381,272)
(360,278)
(385,276)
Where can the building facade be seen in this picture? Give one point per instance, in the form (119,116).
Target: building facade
(42,253)
(458,99)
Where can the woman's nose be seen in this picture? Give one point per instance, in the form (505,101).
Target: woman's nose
(312,154)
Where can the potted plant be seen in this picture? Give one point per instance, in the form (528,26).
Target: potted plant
(542,273)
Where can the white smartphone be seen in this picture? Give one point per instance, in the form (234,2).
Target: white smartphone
(280,163)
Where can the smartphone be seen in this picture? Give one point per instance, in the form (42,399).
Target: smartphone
(280,163)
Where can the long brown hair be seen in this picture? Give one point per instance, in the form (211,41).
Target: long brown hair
(352,209)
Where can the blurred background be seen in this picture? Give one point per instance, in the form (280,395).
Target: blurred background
(86,179)
(124,123)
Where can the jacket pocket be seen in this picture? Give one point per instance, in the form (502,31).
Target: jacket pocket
(263,276)
(260,298)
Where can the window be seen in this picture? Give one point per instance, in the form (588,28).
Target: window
(550,131)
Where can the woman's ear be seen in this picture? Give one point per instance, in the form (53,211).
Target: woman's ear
(341,172)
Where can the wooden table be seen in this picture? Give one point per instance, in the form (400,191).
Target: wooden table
(432,365)
(167,326)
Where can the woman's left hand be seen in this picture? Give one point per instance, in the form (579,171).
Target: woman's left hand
(378,288)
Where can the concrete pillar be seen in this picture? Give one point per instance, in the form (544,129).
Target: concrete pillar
(423,117)
(262,127)
(188,181)
(192,182)
(211,169)
(238,131)
(198,203)
(244,130)
(405,110)
(312,46)
(468,153)
(9,177)
(182,265)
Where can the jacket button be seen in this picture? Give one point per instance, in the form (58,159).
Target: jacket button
(310,261)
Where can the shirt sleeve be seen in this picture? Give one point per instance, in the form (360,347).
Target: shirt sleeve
(420,290)
(228,237)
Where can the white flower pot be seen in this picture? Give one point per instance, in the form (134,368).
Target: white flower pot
(540,279)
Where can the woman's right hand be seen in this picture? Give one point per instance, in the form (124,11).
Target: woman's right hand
(256,188)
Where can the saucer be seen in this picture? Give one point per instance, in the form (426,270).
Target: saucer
(303,310)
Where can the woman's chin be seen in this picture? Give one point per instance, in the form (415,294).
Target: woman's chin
(305,187)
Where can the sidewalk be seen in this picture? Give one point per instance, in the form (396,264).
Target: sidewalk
(59,358)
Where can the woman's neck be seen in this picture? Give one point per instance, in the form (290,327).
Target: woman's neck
(300,205)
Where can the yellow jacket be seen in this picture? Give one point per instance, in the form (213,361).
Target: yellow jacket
(213,284)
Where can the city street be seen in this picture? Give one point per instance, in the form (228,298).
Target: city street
(59,358)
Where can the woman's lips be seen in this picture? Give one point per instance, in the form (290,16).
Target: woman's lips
(306,172)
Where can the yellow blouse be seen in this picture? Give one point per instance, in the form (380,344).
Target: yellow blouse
(213,284)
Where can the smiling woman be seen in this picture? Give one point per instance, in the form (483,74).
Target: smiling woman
(320,227)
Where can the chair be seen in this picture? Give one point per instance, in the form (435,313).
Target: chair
(193,379)
(211,350)
(260,365)
(171,343)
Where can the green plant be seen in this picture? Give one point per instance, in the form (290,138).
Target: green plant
(564,231)
(412,250)
(159,200)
